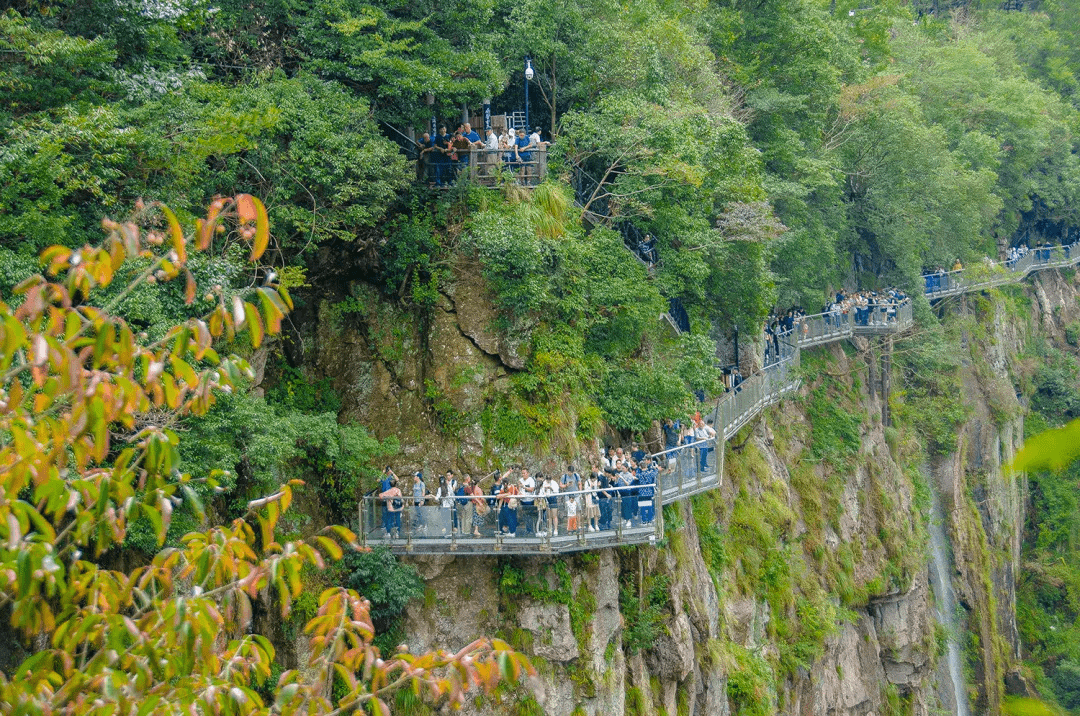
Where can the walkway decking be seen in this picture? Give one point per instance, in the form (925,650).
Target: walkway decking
(687,470)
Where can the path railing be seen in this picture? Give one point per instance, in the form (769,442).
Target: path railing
(487,167)
(952,283)
(627,516)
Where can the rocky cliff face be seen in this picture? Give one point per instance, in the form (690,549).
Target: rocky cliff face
(799,587)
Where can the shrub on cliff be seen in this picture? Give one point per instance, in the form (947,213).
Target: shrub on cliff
(87,407)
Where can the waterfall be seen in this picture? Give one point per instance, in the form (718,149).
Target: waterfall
(941,569)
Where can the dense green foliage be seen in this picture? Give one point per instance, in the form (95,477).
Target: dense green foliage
(1048,592)
(777,150)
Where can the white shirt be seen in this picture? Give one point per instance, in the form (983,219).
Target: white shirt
(528,488)
(535,138)
(492,141)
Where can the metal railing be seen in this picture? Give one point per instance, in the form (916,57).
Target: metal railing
(625,516)
(820,328)
(742,403)
(521,524)
(488,167)
(952,283)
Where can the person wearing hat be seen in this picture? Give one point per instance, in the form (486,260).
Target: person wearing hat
(509,143)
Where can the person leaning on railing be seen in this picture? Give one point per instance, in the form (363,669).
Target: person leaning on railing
(392,511)
(646,477)
(480,508)
(489,160)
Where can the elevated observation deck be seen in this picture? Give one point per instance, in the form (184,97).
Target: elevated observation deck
(540,526)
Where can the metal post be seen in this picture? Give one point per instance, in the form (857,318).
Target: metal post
(363,525)
(528,76)
(453,519)
(658,503)
(737,347)
(407,518)
(618,514)
(582,519)
(431,104)
(681,467)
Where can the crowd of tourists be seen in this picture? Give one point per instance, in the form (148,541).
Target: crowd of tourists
(867,308)
(617,491)
(442,158)
(870,307)
(1043,252)
(938,279)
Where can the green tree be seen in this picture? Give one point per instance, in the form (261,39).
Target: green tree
(88,410)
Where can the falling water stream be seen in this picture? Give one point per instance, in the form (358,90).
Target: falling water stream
(941,569)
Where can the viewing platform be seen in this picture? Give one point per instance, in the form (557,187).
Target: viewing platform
(954,283)
(684,471)
(486,167)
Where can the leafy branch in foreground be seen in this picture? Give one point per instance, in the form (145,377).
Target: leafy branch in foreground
(1054,449)
(86,406)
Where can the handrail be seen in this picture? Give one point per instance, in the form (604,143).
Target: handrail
(626,517)
(485,166)
(952,283)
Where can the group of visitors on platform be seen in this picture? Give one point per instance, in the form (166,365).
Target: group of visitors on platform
(442,158)
(870,307)
(1043,252)
(619,488)
(938,279)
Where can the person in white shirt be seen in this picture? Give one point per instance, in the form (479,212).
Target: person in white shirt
(592,504)
(571,513)
(703,431)
(527,486)
(508,141)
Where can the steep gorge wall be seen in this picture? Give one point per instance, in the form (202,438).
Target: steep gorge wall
(800,587)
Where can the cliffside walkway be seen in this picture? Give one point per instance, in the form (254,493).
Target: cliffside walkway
(541,527)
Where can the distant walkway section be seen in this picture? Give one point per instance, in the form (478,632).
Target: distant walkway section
(596,517)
